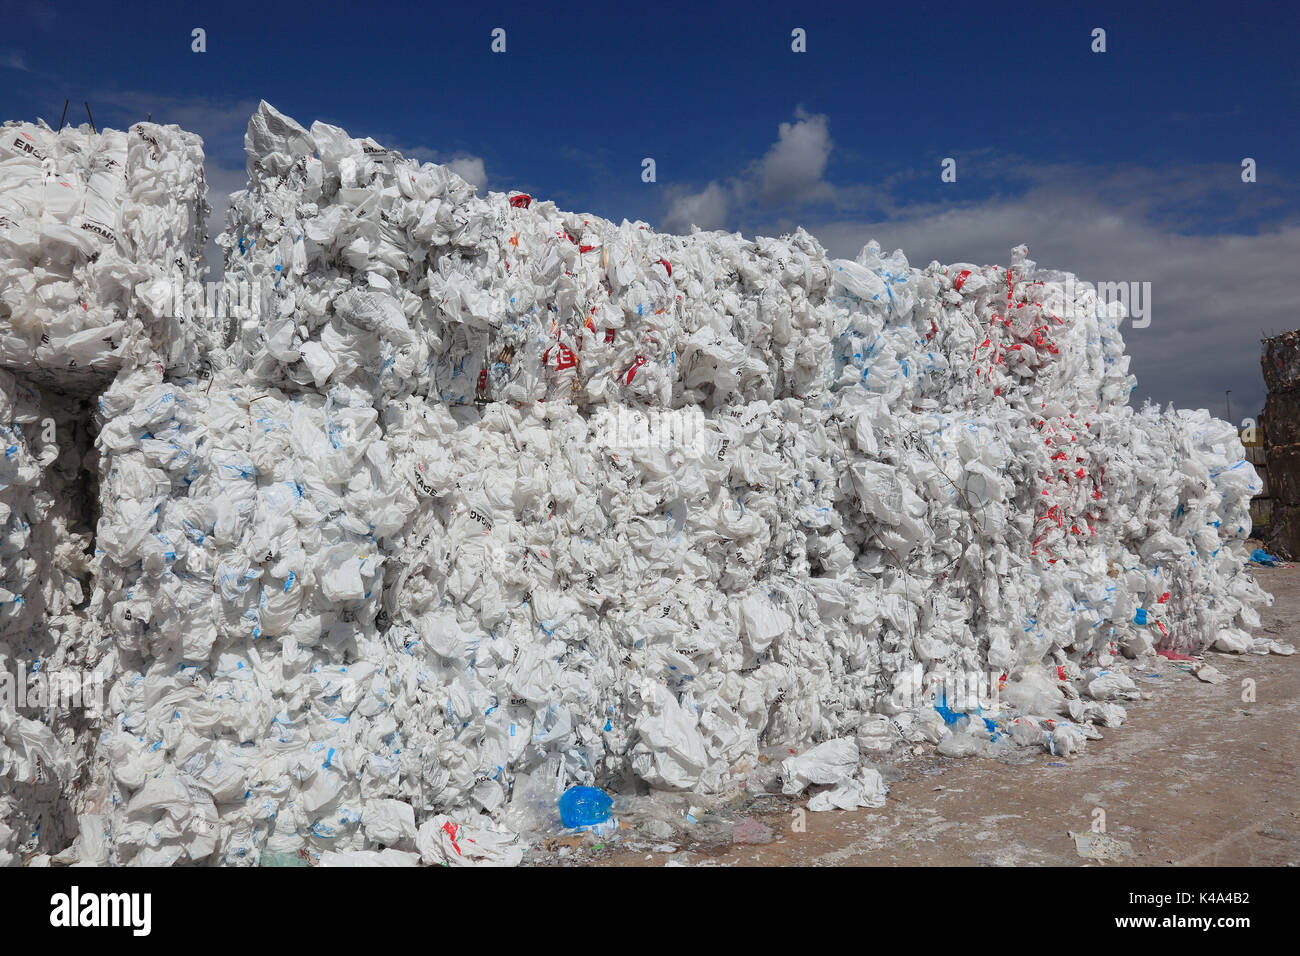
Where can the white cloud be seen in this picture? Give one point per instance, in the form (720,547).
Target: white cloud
(470,169)
(14,61)
(706,209)
(793,167)
(790,171)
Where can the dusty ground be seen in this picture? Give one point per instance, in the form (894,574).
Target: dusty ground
(1195,777)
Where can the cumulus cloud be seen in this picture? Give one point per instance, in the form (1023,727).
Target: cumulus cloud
(793,167)
(792,170)
(470,169)
(706,209)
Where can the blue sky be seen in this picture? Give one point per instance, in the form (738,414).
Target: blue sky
(1122,166)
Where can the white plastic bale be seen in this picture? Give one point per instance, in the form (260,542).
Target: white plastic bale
(101,245)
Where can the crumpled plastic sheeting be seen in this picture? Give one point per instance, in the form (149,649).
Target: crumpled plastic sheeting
(402,544)
(97,232)
(44,575)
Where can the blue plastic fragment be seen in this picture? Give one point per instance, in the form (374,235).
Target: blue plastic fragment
(584,806)
(950,717)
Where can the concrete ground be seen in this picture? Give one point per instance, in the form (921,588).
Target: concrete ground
(1195,777)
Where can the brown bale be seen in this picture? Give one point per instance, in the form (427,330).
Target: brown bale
(1284,473)
(1281,361)
(1282,417)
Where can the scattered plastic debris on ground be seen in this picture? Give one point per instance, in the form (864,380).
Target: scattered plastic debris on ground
(1101,846)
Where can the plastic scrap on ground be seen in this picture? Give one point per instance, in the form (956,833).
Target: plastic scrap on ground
(1101,846)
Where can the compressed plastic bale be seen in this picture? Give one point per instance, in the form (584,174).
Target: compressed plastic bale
(1284,472)
(101,246)
(1281,361)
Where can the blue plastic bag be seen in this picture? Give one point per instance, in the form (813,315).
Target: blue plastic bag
(584,806)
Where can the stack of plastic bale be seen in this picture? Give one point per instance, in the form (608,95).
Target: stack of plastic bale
(481,488)
(1281,365)
(99,232)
